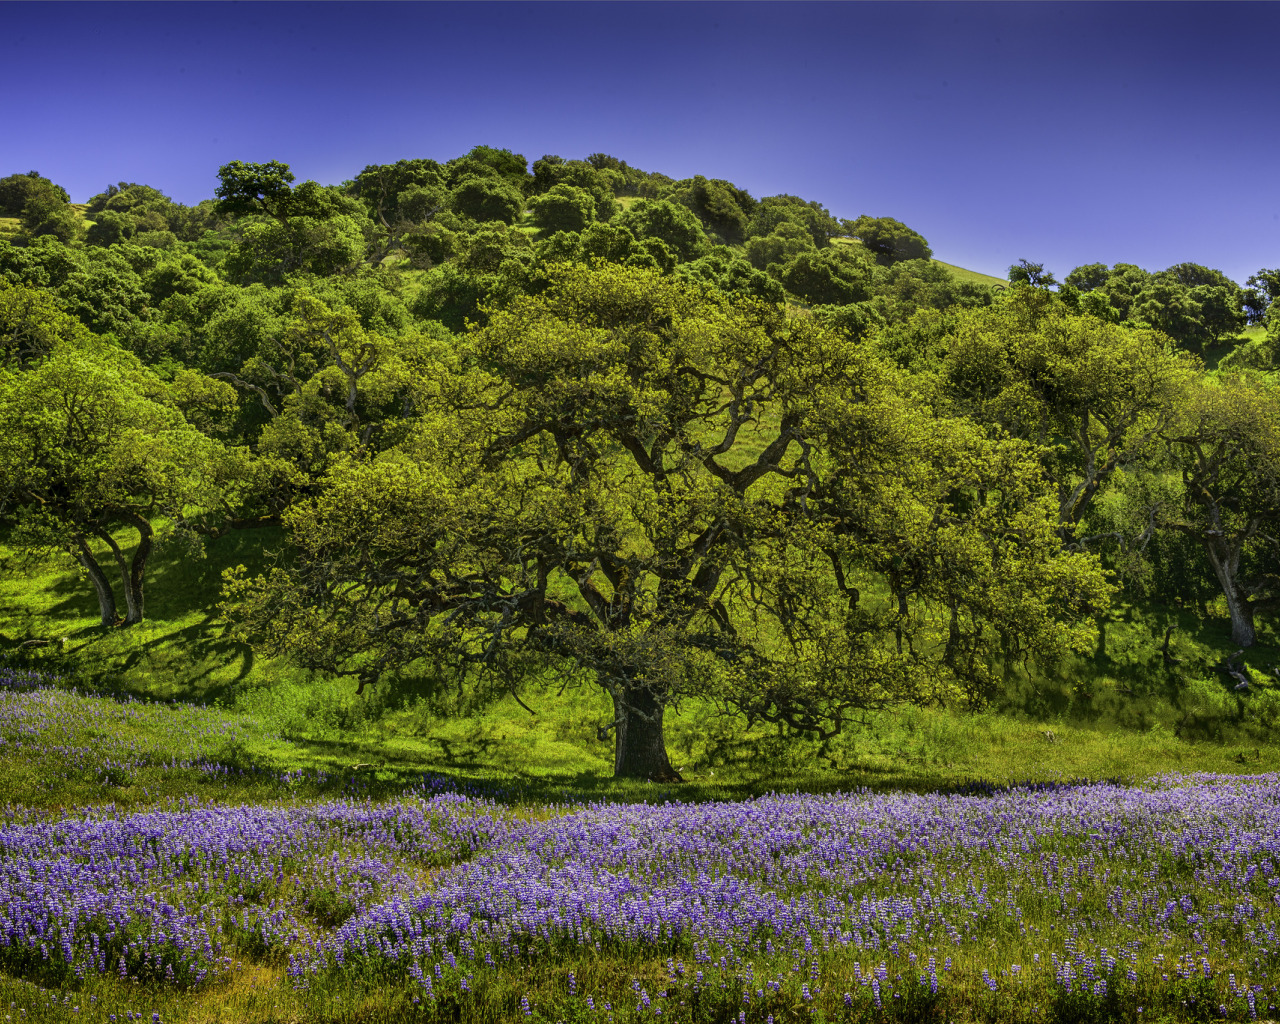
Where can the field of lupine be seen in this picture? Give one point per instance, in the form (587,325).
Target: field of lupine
(1091,902)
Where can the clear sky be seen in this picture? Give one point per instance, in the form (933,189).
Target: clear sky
(1062,133)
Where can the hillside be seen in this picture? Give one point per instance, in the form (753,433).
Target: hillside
(475,593)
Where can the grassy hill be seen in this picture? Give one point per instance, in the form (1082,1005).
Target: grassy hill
(972,275)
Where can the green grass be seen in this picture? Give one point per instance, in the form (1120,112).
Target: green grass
(973,275)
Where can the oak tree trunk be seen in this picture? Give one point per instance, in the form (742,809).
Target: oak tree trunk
(1225,560)
(132,570)
(101,585)
(640,750)
(138,566)
(1243,633)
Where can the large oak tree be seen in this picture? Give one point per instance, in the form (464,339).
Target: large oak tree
(634,485)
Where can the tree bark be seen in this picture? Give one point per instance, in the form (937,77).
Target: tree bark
(1225,560)
(132,571)
(101,585)
(640,749)
(138,565)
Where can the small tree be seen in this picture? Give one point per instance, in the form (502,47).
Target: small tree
(668,222)
(18,189)
(488,198)
(889,240)
(828,277)
(1033,274)
(90,442)
(1227,444)
(563,208)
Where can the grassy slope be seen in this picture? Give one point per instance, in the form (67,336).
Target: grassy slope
(972,275)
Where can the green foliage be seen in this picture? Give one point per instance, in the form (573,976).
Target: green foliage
(1263,290)
(1094,397)
(724,209)
(1226,442)
(670,223)
(19,189)
(32,325)
(784,242)
(1194,305)
(595,455)
(828,277)
(773,211)
(889,240)
(323,340)
(487,198)
(511,167)
(91,441)
(1031,274)
(563,208)
(855,321)
(599,183)
(268,252)
(246,189)
(725,271)
(907,286)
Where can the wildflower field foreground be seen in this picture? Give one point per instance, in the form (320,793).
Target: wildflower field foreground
(1050,902)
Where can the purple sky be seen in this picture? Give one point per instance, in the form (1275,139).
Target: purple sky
(1065,134)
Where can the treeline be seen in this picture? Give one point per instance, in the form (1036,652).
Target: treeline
(653,435)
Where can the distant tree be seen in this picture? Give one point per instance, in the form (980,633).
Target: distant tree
(269,253)
(1124,284)
(904,287)
(246,188)
(1193,275)
(550,171)
(485,250)
(889,240)
(18,189)
(724,270)
(129,197)
(786,241)
(669,222)
(722,207)
(1033,274)
(511,167)
(605,162)
(318,229)
(400,199)
(1264,289)
(563,208)
(1171,307)
(1222,310)
(1088,277)
(772,211)
(486,199)
(1094,397)
(1194,305)
(828,277)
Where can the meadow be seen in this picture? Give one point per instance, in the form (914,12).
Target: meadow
(220,888)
